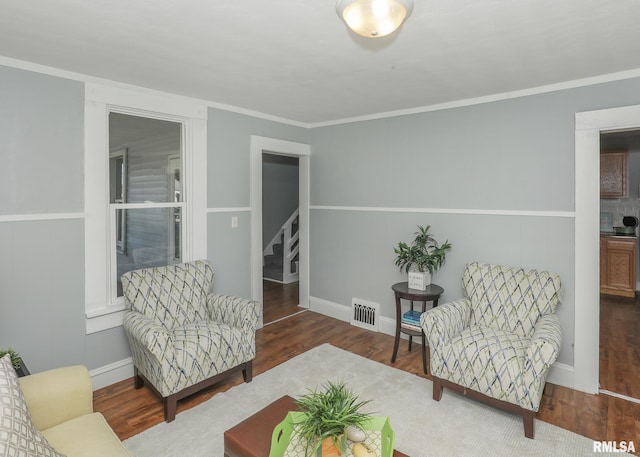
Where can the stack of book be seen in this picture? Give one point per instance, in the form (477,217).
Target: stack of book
(411,321)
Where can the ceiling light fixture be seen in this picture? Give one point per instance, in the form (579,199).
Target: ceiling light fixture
(374,18)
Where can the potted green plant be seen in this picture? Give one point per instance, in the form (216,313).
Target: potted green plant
(327,414)
(16,361)
(425,253)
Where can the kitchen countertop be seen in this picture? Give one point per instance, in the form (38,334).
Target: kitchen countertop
(618,235)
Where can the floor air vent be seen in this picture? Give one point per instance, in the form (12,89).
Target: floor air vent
(365,314)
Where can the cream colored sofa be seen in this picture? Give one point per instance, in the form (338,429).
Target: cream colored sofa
(60,402)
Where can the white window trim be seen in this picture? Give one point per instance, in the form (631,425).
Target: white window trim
(100,100)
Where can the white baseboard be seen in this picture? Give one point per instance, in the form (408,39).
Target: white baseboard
(560,373)
(388,327)
(112,373)
(331,309)
(342,312)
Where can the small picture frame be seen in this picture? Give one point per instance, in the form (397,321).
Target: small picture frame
(606,222)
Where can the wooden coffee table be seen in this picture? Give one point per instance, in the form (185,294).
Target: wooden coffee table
(252,436)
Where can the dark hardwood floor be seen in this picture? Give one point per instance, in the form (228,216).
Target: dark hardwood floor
(599,417)
(620,345)
(279,300)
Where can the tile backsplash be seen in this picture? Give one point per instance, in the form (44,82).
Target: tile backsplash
(620,208)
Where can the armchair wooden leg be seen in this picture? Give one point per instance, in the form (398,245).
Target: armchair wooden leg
(528,420)
(247,372)
(170,406)
(138,382)
(437,388)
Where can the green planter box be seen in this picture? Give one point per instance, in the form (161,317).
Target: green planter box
(283,440)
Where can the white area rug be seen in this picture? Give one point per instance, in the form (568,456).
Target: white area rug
(454,426)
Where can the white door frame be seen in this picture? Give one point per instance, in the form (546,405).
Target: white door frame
(589,125)
(258,146)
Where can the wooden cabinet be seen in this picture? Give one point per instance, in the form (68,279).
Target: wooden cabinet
(614,174)
(618,265)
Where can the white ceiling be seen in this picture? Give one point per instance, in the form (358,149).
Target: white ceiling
(295,59)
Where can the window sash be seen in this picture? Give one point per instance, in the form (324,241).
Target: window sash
(114,299)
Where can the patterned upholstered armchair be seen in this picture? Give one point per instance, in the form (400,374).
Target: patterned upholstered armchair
(183,338)
(498,343)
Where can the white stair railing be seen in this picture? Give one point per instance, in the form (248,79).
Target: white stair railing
(289,248)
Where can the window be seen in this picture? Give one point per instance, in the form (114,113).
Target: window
(145,195)
(145,190)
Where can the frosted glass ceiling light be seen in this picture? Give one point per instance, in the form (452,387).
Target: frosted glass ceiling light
(374,18)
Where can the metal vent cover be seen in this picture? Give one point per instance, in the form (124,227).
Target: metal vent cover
(365,314)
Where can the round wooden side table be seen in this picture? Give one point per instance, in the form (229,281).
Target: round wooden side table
(402,292)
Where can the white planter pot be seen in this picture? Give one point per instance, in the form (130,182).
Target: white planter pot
(419,280)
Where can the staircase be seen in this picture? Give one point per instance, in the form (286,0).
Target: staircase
(280,262)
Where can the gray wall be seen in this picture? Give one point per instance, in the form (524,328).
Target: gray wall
(634,173)
(515,154)
(41,143)
(510,155)
(42,261)
(279,193)
(229,249)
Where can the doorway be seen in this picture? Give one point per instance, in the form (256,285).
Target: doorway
(263,145)
(280,236)
(588,127)
(619,371)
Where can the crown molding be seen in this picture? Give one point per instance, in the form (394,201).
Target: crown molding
(572,84)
